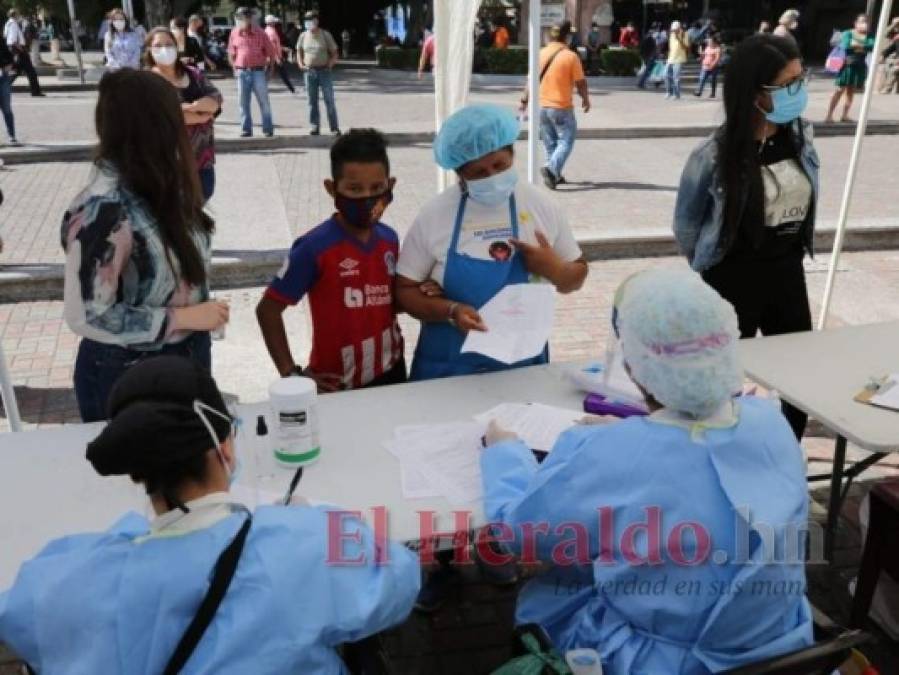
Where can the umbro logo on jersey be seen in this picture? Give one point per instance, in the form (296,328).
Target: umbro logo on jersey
(349,267)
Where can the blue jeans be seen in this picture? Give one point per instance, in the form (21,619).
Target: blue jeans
(710,76)
(672,77)
(320,78)
(207,182)
(558,129)
(647,71)
(254,82)
(99,366)
(6,104)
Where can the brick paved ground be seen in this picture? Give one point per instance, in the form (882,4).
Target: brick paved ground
(264,200)
(362,99)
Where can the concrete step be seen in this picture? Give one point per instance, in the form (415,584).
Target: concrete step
(27,283)
(81,152)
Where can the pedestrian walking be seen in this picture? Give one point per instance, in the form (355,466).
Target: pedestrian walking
(629,38)
(273,31)
(345,39)
(746,206)
(137,242)
(201,101)
(7,75)
(678,55)
(19,45)
(857,44)
(317,55)
(711,62)
(560,72)
(649,51)
(428,54)
(196,30)
(251,54)
(190,51)
(121,45)
(787,25)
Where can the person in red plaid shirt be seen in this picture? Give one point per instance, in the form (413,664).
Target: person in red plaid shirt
(251,54)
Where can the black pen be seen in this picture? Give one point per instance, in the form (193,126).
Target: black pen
(293,485)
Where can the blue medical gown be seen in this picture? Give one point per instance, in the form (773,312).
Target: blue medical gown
(112,603)
(649,615)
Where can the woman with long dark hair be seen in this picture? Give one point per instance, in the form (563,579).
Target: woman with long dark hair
(745,213)
(137,242)
(201,102)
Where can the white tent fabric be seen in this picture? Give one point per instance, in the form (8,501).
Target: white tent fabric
(454,52)
(849,188)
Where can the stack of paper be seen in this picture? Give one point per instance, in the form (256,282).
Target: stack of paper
(888,394)
(519,322)
(440,460)
(538,425)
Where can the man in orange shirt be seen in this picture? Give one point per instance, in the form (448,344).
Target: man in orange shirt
(501,37)
(560,72)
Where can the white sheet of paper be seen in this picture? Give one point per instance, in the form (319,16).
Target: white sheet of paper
(888,397)
(519,322)
(538,425)
(439,460)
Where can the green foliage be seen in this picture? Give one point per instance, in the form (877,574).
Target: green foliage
(620,62)
(511,61)
(398,58)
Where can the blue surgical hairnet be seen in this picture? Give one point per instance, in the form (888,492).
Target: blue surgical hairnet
(679,338)
(472,132)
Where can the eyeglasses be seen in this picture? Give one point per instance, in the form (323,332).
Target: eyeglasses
(794,85)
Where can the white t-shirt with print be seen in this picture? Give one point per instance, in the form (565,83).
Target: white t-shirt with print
(485,233)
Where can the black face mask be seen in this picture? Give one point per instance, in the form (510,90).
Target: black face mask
(363,212)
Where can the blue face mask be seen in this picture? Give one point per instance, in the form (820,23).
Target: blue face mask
(786,107)
(494,190)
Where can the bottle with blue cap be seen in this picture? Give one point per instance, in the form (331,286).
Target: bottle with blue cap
(584,661)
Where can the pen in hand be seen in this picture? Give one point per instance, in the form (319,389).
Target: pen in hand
(293,485)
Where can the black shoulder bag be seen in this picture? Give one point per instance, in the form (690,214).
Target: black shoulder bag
(549,63)
(223,572)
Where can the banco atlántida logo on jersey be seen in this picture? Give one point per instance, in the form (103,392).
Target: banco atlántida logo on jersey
(371,295)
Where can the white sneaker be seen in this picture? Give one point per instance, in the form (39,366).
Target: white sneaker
(13,141)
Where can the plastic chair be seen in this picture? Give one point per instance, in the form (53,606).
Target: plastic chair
(881,552)
(822,658)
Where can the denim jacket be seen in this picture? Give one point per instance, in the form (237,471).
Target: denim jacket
(699,211)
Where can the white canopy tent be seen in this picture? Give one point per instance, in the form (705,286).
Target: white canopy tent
(852,174)
(453,33)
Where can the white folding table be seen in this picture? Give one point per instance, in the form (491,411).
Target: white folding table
(49,489)
(820,373)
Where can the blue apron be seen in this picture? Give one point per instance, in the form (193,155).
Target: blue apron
(470,281)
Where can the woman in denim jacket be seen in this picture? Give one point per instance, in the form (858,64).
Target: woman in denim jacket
(745,213)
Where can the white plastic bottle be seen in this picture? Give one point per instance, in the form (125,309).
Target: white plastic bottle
(584,661)
(294,432)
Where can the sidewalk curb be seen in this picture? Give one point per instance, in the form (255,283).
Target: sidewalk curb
(34,282)
(82,152)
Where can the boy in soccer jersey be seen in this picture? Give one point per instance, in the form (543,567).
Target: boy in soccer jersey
(346,266)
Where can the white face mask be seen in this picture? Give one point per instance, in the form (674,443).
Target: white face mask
(243,23)
(233,472)
(119,24)
(311,24)
(164,56)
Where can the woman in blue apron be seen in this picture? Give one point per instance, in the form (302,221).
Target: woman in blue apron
(477,237)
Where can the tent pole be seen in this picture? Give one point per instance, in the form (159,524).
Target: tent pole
(10,405)
(853,165)
(533,88)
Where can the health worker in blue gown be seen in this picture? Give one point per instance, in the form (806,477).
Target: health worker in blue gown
(693,518)
(483,233)
(120,601)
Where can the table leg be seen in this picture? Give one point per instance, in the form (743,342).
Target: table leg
(836,497)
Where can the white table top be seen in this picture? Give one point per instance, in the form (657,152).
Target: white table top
(49,490)
(821,372)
